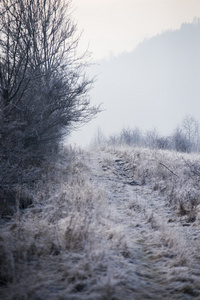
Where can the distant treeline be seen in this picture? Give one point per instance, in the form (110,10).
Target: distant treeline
(185,138)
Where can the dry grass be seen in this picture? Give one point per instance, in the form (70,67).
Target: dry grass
(171,174)
(59,248)
(87,237)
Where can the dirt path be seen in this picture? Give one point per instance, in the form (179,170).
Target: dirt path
(95,232)
(161,258)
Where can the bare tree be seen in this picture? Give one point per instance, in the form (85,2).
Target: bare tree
(191,129)
(151,138)
(99,138)
(44,89)
(131,136)
(126,136)
(180,141)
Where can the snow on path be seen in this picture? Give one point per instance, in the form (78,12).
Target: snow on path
(160,258)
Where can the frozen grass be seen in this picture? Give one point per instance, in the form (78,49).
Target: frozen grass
(90,235)
(60,247)
(174,175)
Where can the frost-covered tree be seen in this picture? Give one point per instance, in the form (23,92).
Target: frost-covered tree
(180,141)
(44,90)
(190,127)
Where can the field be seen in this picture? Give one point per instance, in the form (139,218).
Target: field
(107,223)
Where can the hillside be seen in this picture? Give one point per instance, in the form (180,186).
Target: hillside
(155,85)
(109,223)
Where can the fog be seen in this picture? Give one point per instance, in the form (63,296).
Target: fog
(154,86)
(120,25)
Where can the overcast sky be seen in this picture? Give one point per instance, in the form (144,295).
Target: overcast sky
(114,26)
(111,27)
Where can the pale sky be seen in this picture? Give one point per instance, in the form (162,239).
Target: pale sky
(114,26)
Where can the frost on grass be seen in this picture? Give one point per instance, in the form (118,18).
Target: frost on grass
(60,247)
(90,234)
(174,175)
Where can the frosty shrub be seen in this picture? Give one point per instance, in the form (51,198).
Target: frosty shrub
(44,89)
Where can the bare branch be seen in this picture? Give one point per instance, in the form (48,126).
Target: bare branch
(168,169)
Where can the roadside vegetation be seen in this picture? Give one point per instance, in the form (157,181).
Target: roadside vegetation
(184,138)
(169,164)
(174,175)
(73,241)
(43,89)
(54,248)
(117,221)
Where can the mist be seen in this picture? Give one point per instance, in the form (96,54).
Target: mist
(154,86)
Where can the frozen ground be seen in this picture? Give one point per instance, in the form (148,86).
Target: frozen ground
(162,258)
(107,228)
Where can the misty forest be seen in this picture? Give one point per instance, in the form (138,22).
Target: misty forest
(120,218)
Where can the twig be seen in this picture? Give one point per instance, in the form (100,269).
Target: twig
(168,169)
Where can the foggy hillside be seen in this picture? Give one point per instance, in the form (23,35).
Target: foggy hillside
(155,85)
